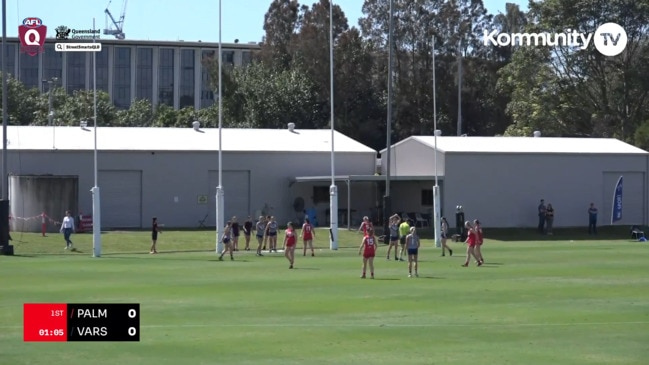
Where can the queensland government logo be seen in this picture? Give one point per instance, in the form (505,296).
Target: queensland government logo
(65,33)
(32,35)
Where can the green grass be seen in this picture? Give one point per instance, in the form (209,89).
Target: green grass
(535,302)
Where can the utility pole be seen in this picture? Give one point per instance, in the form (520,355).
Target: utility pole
(50,100)
(387,203)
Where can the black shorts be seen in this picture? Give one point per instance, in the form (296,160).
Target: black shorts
(444,235)
(413,251)
(226,240)
(402,240)
(154,236)
(394,238)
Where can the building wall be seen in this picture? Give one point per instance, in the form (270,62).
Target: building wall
(185,175)
(165,73)
(504,190)
(412,158)
(407,196)
(362,200)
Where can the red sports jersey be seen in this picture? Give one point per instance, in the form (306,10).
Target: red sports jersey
(290,234)
(366,225)
(471,240)
(370,247)
(479,235)
(307,231)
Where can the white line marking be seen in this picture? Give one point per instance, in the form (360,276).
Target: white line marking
(361,325)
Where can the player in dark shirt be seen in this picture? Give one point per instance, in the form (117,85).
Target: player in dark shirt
(247,229)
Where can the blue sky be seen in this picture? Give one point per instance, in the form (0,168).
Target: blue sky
(189,20)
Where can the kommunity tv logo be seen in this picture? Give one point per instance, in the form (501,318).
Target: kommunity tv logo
(610,39)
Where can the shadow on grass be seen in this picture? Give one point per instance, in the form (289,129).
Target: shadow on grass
(430,277)
(305,268)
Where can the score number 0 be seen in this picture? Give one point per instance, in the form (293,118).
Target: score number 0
(132,313)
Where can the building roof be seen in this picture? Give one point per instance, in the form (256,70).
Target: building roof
(534,145)
(179,139)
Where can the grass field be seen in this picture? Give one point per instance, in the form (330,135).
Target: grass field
(560,300)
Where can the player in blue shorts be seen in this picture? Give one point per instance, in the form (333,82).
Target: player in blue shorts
(227,241)
(412,245)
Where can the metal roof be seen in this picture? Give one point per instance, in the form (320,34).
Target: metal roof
(535,145)
(179,139)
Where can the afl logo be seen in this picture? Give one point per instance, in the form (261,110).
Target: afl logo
(32,22)
(32,35)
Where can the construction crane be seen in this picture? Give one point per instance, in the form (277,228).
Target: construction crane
(118,31)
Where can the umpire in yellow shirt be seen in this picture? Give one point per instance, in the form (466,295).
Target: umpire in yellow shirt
(404,230)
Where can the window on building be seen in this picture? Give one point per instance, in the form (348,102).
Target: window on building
(122,77)
(187,77)
(76,71)
(28,70)
(228,57)
(10,59)
(320,194)
(207,92)
(166,77)
(102,68)
(144,74)
(246,58)
(427,197)
(52,63)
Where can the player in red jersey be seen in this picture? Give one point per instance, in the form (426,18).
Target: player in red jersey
(289,244)
(307,234)
(365,225)
(477,227)
(368,248)
(471,240)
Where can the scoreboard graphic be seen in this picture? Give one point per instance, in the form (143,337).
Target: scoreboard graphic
(67,322)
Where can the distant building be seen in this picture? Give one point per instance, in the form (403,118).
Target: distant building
(500,180)
(162,72)
(172,173)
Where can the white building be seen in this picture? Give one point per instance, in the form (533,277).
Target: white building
(500,180)
(172,173)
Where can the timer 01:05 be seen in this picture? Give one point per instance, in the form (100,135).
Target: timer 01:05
(57,332)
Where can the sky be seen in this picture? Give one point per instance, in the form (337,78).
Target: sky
(169,20)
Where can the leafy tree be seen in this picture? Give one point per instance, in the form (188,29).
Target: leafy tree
(280,24)
(139,114)
(22,102)
(359,110)
(164,116)
(581,91)
(273,98)
(80,107)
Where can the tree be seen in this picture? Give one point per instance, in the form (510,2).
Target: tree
(22,103)
(312,44)
(281,21)
(139,114)
(512,21)
(359,110)
(273,98)
(583,92)
(164,116)
(80,107)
